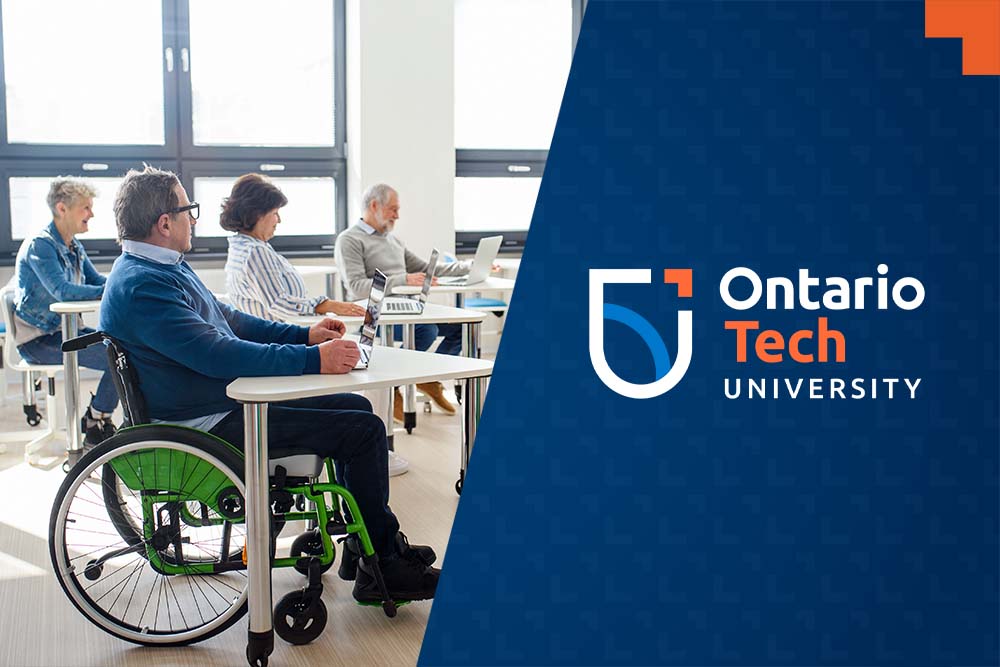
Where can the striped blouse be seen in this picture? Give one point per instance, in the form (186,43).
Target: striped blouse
(263,283)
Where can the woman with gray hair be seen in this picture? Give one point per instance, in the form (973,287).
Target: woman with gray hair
(53,266)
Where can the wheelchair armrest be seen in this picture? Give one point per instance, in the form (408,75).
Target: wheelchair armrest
(82,342)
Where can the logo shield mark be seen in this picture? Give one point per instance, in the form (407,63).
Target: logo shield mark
(597,316)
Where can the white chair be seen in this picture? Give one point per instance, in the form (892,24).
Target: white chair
(13,360)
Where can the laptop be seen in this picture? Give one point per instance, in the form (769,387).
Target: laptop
(366,343)
(485,254)
(413,306)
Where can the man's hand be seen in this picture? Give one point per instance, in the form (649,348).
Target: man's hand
(415,279)
(326,329)
(338,356)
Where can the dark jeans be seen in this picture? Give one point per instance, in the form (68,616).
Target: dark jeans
(48,350)
(424,335)
(343,428)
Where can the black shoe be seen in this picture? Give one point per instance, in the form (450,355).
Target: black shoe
(96,430)
(406,579)
(348,569)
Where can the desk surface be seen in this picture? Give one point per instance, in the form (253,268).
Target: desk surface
(491,284)
(64,307)
(315,269)
(508,263)
(389,367)
(433,314)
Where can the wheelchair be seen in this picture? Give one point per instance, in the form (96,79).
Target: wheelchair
(147,534)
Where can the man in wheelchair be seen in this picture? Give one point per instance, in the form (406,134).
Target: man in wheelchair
(186,347)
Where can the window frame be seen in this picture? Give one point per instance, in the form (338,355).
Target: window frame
(104,152)
(496,163)
(304,245)
(188,149)
(97,249)
(180,155)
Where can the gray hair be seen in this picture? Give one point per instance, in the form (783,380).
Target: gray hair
(379,192)
(142,198)
(68,191)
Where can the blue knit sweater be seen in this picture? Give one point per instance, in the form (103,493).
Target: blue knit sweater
(186,346)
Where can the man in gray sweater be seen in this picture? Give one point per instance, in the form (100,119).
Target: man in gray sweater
(368,245)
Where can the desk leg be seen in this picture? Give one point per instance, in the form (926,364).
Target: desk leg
(472,406)
(331,287)
(460,303)
(260,638)
(71,380)
(410,392)
(386,335)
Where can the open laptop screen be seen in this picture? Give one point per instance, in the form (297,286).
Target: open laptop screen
(370,327)
(429,275)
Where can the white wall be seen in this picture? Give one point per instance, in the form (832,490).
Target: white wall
(401,107)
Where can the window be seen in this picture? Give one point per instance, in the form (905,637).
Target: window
(53,96)
(310,205)
(236,45)
(512,203)
(29,211)
(512,58)
(210,89)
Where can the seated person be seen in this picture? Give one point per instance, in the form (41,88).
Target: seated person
(259,280)
(186,347)
(52,267)
(370,245)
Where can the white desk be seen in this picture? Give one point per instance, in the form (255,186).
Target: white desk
(491,284)
(70,312)
(433,314)
(389,367)
(508,263)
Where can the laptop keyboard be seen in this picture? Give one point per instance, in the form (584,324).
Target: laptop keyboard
(403,306)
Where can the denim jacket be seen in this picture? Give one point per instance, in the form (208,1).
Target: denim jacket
(48,271)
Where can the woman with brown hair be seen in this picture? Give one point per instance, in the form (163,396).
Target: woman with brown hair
(258,279)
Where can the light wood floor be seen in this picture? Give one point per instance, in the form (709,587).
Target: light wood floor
(40,627)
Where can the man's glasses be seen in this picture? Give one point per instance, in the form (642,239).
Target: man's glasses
(194,210)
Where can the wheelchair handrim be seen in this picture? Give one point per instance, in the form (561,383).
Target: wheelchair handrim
(72,583)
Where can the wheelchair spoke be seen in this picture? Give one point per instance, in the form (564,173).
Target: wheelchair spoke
(138,566)
(138,531)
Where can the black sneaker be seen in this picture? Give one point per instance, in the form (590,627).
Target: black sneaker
(96,430)
(406,579)
(348,569)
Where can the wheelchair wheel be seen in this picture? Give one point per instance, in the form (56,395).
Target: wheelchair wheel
(143,535)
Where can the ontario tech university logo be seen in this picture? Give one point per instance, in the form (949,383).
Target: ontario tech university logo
(668,374)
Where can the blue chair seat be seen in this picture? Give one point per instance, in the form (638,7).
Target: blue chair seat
(482,302)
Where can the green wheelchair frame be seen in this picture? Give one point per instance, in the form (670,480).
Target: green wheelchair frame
(177,485)
(168,480)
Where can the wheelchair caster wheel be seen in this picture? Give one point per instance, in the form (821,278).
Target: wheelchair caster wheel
(458,487)
(93,570)
(298,621)
(309,543)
